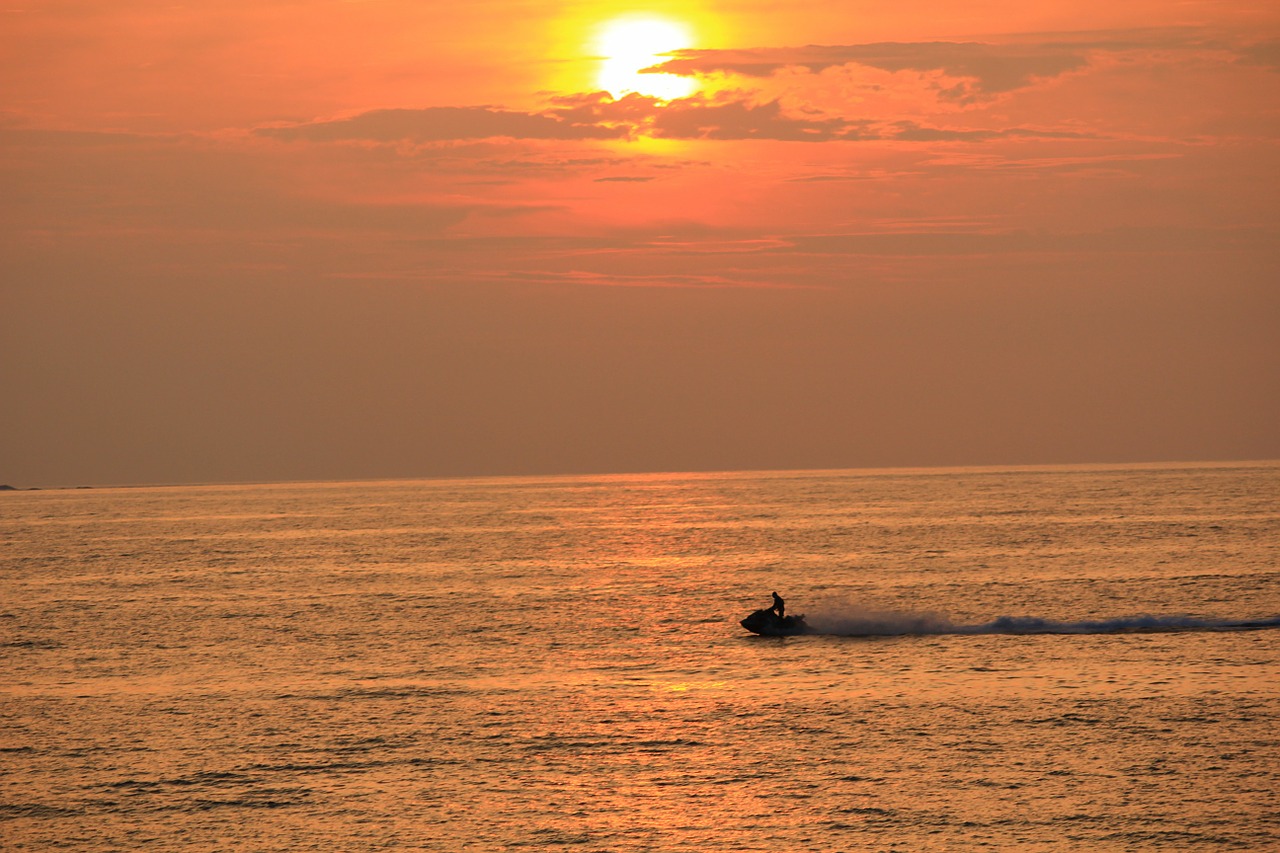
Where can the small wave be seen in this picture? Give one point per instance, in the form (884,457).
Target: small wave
(889,623)
(11,811)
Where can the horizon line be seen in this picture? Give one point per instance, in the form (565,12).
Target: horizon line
(708,472)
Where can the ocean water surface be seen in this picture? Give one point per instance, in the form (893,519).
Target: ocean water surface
(1031,659)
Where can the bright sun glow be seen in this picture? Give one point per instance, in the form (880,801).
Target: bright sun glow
(630,44)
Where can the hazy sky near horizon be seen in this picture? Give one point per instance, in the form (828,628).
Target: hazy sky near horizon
(379,238)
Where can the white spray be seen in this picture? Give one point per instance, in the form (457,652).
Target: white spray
(858,622)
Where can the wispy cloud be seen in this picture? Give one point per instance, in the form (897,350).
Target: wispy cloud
(596,116)
(990,68)
(910,131)
(1263,53)
(1136,240)
(438,124)
(696,119)
(981,70)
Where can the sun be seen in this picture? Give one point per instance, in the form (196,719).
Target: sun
(627,45)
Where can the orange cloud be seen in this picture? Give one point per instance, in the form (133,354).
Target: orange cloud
(979,70)
(436,124)
(598,117)
(991,68)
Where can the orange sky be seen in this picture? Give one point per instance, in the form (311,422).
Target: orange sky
(365,238)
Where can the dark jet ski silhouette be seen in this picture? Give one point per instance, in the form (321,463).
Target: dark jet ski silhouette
(768,623)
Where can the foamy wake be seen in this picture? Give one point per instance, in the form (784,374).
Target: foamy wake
(887,623)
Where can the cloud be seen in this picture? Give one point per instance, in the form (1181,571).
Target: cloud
(1265,53)
(992,68)
(595,115)
(45,138)
(736,118)
(693,119)
(439,124)
(584,117)
(723,118)
(987,69)
(1133,240)
(596,278)
(910,131)
(190,188)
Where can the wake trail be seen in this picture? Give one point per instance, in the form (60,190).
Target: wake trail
(888,623)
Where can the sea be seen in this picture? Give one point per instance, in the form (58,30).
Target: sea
(1036,659)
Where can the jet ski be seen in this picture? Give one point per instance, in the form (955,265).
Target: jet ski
(767,623)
